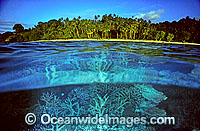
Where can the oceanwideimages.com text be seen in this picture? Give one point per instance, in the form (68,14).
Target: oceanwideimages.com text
(46,119)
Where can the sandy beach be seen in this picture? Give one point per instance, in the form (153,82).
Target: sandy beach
(119,40)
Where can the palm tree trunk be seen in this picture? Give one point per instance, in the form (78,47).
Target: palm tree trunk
(130,35)
(126,34)
(121,35)
(134,35)
(144,36)
(77,32)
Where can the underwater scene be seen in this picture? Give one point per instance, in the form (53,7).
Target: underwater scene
(125,80)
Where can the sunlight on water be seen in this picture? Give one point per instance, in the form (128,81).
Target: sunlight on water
(114,78)
(46,68)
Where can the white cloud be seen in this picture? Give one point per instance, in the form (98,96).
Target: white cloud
(152,15)
(197,18)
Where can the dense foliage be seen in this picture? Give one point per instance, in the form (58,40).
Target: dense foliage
(109,26)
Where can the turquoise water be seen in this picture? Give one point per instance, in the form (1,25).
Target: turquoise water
(91,77)
(30,65)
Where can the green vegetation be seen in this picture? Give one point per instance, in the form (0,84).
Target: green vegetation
(110,26)
(170,37)
(18,28)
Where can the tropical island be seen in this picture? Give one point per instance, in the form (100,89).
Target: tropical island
(109,27)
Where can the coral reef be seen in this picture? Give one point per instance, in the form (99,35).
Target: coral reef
(101,99)
(101,67)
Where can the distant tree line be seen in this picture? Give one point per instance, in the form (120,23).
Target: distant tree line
(109,26)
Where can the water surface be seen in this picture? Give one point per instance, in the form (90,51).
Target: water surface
(137,79)
(28,65)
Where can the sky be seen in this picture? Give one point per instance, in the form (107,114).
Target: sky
(30,12)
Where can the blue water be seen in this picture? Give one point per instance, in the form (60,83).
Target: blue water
(30,65)
(91,77)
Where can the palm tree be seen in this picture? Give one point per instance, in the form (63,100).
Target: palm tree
(135,26)
(74,24)
(117,25)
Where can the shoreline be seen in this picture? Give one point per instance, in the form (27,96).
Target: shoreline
(118,40)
